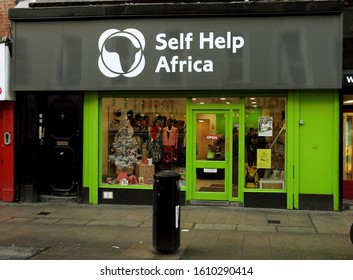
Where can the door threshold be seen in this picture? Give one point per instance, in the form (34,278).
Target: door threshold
(59,199)
(214,203)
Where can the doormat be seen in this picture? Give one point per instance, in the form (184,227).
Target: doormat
(210,189)
(216,188)
(18,253)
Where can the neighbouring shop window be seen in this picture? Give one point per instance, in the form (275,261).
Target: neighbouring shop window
(347,145)
(142,136)
(265,142)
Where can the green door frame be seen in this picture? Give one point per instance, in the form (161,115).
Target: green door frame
(227,164)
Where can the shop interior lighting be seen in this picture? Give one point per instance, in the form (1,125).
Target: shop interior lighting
(348,102)
(253,101)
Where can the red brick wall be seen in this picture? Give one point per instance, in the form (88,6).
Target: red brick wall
(5,29)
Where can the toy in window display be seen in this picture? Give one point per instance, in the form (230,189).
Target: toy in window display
(124,177)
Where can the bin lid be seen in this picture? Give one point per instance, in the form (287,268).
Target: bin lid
(167,174)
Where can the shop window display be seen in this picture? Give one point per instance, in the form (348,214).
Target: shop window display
(265,143)
(140,137)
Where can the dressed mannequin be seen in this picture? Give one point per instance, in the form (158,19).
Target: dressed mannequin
(170,142)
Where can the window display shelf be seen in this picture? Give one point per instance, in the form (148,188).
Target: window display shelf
(271,184)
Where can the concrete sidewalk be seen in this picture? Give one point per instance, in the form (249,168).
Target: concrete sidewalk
(49,231)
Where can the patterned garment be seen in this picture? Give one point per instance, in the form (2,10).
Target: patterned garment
(169,154)
(155,151)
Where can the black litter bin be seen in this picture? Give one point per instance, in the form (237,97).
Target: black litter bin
(166,211)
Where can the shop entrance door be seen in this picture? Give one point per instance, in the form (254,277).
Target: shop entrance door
(215,154)
(61,144)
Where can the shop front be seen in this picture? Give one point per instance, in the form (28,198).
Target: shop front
(231,102)
(347,108)
(209,140)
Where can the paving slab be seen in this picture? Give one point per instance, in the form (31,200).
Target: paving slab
(256,228)
(18,253)
(45,221)
(330,223)
(126,223)
(296,229)
(299,220)
(215,226)
(20,220)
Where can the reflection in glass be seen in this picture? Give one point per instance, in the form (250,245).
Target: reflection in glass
(235,160)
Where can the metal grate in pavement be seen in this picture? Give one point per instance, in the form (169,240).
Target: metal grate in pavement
(274,221)
(44,213)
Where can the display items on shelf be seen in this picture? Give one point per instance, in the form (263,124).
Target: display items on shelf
(271,184)
(144,173)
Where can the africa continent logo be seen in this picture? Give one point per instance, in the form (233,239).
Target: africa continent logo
(110,61)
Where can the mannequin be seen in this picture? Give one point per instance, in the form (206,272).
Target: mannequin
(170,142)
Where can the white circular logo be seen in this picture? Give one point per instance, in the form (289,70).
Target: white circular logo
(109,62)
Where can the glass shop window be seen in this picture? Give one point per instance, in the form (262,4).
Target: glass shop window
(142,136)
(265,142)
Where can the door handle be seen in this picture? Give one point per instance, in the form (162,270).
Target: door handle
(7,138)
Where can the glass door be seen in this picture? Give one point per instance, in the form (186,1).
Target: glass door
(347,146)
(347,155)
(214,154)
